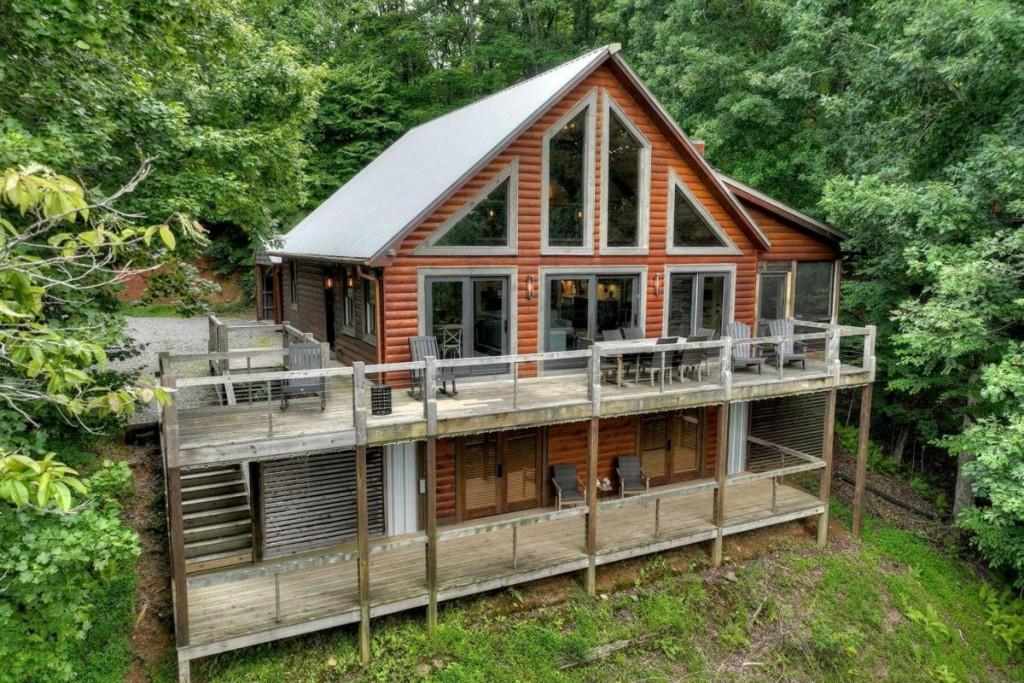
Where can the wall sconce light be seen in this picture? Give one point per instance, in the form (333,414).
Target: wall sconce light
(329,283)
(529,287)
(658,288)
(350,282)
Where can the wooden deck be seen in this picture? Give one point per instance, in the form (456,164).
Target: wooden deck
(218,433)
(237,608)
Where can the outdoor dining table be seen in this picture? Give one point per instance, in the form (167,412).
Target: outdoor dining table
(618,356)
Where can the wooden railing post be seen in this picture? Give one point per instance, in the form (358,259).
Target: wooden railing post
(594,379)
(430,393)
(721,467)
(286,336)
(869,352)
(591,493)
(362,518)
(175,514)
(825,488)
(725,361)
(863,438)
(359,401)
(833,363)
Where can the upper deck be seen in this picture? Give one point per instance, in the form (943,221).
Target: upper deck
(235,413)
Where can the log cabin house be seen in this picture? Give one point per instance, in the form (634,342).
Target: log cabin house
(583,269)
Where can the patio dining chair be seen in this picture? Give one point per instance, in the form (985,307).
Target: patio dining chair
(632,333)
(421,348)
(692,361)
(615,334)
(792,352)
(303,356)
(632,479)
(744,354)
(653,364)
(569,488)
(609,367)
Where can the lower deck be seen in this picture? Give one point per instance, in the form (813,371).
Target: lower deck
(240,607)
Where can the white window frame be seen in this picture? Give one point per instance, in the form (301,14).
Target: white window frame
(589,100)
(728,247)
(595,269)
(370,322)
(429,245)
(348,323)
(644,206)
(728,269)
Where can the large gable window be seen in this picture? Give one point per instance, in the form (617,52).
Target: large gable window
(624,183)
(484,225)
(567,202)
(693,229)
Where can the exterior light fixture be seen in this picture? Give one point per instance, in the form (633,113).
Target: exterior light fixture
(349,280)
(529,287)
(658,288)
(329,282)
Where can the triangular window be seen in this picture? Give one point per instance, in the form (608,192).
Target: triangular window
(486,225)
(693,228)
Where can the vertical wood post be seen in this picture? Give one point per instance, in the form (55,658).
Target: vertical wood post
(363,542)
(825,489)
(725,366)
(179,580)
(286,336)
(591,494)
(721,463)
(863,436)
(431,532)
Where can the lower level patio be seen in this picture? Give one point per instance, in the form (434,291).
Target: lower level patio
(243,606)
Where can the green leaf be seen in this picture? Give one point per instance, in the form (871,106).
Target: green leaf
(167,236)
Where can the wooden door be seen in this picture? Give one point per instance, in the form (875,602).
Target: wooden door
(519,468)
(686,452)
(653,448)
(480,494)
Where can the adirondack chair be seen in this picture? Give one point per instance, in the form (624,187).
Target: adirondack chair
(744,354)
(569,489)
(419,349)
(792,352)
(632,479)
(304,356)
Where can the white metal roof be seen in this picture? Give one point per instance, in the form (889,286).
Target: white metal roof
(402,185)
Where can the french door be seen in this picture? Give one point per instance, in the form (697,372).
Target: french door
(698,301)
(671,446)
(469,317)
(583,306)
(498,473)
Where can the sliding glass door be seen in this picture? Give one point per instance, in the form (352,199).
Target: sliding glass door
(698,302)
(469,318)
(583,306)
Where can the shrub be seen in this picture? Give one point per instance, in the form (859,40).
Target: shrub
(54,568)
(180,284)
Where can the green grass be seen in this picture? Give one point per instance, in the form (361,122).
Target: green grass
(893,608)
(150,311)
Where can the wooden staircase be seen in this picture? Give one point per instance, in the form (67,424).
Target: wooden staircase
(217,518)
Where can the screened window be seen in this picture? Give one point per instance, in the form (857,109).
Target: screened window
(348,303)
(567,183)
(690,228)
(697,301)
(813,291)
(485,226)
(293,282)
(772,297)
(370,311)
(625,171)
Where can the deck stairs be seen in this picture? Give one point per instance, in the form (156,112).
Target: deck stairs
(217,518)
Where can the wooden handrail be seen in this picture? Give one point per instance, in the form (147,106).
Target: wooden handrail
(659,494)
(534,518)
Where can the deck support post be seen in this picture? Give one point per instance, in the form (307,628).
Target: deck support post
(591,493)
(362,514)
(184,669)
(825,489)
(431,532)
(721,462)
(863,437)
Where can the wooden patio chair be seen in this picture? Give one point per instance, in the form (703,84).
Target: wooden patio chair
(609,366)
(628,360)
(632,478)
(304,356)
(693,360)
(744,354)
(632,333)
(792,352)
(421,348)
(569,488)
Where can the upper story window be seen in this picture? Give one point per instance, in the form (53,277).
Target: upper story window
(813,291)
(693,229)
(484,225)
(624,184)
(369,308)
(348,303)
(293,283)
(567,185)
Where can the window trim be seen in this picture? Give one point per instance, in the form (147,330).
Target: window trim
(589,144)
(728,248)
(833,285)
(293,284)
(728,269)
(510,172)
(644,209)
(347,326)
(368,336)
(544,273)
(511,272)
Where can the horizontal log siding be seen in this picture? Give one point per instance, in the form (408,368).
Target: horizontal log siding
(790,243)
(446,480)
(307,313)
(711,439)
(400,278)
(351,348)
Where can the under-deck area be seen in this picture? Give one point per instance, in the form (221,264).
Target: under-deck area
(238,607)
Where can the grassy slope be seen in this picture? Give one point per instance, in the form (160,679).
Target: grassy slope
(892,608)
